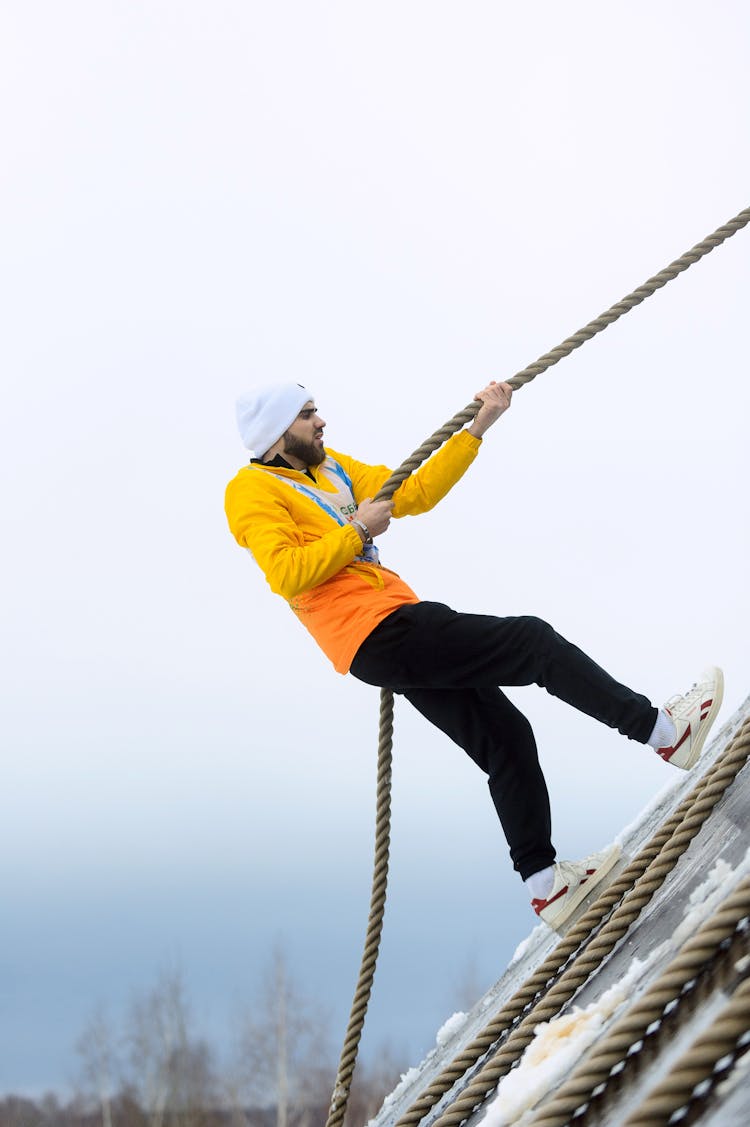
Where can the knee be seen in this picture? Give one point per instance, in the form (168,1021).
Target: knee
(537,643)
(517,737)
(539,635)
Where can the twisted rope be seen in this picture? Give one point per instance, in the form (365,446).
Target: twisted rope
(687,822)
(701,957)
(526,375)
(699,1064)
(348,1059)
(541,981)
(459,420)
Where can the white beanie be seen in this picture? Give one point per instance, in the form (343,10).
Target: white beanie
(265,413)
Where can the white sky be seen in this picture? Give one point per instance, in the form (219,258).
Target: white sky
(392,204)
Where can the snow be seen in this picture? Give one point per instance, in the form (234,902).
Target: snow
(702,901)
(556,1049)
(712,871)
(525,944)
(559,1044)
(657,803)
(449,1027)
(447,1030)
(407,1078)
(708,896)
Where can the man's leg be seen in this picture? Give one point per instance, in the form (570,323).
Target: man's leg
(428,645)
(499,739)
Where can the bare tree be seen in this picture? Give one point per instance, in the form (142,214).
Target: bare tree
(18,1111)
(95,1049)
(283,1056)
(171,1074)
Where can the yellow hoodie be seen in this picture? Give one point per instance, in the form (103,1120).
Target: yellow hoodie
(312,561)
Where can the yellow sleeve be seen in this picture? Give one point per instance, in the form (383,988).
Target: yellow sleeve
(428,485)
(296,547)
(294,555)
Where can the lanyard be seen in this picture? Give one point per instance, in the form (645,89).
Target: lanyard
(369,552)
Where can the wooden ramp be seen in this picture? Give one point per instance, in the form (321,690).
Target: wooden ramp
(640,1014)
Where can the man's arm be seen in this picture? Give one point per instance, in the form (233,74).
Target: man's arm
(437,476)
(495,400)
(295,555)
(295,561)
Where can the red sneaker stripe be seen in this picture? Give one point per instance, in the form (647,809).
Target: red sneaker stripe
(685,735)
(540,905)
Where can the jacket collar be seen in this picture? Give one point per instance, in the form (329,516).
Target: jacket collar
(279,463)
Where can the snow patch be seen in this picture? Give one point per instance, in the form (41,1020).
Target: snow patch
(703,900)
(444,1034)
(556,1049)
(448,1028)
(529,941)
(407,1078)
(653,807)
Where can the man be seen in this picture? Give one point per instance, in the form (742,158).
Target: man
(307,516)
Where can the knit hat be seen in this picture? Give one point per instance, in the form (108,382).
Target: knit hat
(265,413)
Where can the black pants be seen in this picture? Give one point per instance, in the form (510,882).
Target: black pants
(449,666)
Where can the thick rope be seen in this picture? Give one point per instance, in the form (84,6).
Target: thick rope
(526,375)
(705,796)
(700,957)
(520,379)
(699,1064)
(534,989)
(377,910)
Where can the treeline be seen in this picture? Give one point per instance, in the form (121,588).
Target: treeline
(151,1069)
(17,1111)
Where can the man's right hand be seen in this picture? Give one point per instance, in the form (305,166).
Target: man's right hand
(376,515)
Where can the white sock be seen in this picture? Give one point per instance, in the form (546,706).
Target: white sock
(664,733)
(540,884)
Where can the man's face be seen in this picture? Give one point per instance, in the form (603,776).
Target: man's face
(303,440)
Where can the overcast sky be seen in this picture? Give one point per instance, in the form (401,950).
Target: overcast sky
(391,203)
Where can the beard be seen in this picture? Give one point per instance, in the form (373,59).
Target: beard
(308,452)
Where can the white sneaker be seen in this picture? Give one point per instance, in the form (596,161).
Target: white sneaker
(574,882)
(693,714)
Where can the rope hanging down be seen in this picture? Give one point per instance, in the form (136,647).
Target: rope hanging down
(385,743)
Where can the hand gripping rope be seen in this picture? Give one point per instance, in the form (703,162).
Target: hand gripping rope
(385,740)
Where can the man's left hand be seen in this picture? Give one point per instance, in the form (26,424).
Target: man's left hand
(495,399)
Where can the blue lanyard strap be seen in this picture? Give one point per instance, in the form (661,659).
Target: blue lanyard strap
(369,552)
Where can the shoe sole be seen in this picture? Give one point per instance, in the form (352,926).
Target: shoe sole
(585,889)
(705,727)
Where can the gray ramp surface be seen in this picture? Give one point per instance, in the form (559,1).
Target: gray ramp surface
(715,862)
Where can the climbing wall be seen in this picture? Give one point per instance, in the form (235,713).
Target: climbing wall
(643,1007)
